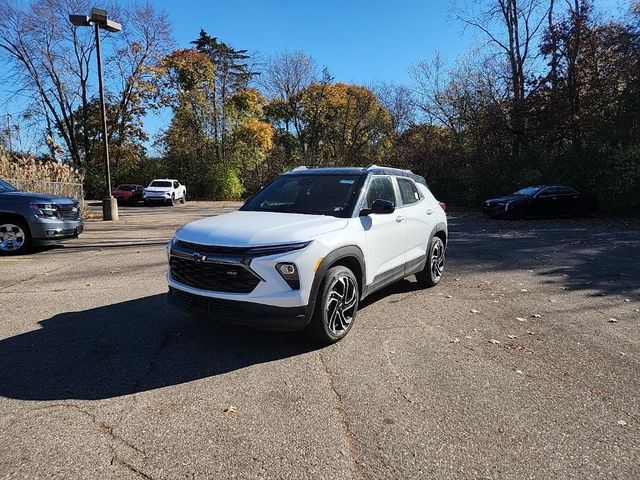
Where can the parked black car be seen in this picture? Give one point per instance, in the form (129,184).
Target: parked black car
(541,200)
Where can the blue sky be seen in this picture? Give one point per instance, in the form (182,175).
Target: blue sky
(359,41)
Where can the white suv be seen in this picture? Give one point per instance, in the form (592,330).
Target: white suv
(165,190)
(305,250)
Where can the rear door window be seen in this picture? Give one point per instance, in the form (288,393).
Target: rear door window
(408,191)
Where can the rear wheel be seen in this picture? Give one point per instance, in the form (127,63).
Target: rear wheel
(434,268)
(336,306)
(15,238)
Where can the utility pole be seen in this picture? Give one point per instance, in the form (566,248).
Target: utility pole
(99,19)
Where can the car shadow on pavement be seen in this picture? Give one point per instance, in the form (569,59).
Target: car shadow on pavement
(131,347)
(593,255)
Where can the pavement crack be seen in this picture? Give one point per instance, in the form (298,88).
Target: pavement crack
(164,342)
(135,470)
(345,423)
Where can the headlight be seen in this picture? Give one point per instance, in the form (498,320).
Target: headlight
(289,272)
(45,210)
(170,245)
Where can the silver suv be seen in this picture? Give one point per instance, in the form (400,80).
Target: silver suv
(28,219)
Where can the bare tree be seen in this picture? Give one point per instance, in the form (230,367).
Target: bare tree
(54,60)
(398,100)
(284,78)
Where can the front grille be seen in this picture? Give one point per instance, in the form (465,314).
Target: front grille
(211,276)
(69,212)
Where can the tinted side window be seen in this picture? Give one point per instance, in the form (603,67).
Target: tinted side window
(547,192)
(380,188)
(565,191)
(175,184)
(408,191)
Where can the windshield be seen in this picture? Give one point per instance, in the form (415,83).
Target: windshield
(7,187)
(126,188)
(528,192)
(157,183)
(310,194)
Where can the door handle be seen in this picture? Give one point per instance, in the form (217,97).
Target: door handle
(399,218)
(429,212)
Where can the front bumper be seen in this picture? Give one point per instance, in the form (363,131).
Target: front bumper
(495,210)
(44,232)
(240,312)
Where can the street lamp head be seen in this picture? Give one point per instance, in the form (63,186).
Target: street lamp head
(111,26)
(99,15)
(80,20)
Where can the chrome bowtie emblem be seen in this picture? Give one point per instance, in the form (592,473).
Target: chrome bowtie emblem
(197,257)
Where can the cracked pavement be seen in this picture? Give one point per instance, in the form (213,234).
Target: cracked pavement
(101,379)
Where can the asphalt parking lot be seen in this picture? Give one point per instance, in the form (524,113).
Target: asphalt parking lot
(513,367)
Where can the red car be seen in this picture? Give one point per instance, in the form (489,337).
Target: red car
(128,193)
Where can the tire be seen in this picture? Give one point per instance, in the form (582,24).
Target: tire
(184,198)
(432,273)
(336,306)
(145,203)
(172,202)
(15,237)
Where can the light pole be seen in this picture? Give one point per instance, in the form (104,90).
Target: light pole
(99,19)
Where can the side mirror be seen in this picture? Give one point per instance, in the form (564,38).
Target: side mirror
(379,206)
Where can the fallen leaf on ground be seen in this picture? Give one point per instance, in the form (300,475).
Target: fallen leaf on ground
(455,340)
(613,320)
(230,409)
(524,290)
(512,336)
(622,423)
(473,310)
(535,315)
(519,372)
(494,341)
(521,319)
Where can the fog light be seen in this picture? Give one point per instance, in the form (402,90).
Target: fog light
(287,268)
(289,272)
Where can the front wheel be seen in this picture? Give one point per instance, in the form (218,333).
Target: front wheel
(172,202)
(336,306)
(433,269)
(15,238)
(184,197)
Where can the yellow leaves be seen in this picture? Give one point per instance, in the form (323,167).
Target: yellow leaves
(249,101)
(255,133)
(187,68)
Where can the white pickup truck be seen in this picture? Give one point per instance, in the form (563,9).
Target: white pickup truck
(165,190)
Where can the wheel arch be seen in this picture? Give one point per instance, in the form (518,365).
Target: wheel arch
(15,216)
(440,231)
(349,256)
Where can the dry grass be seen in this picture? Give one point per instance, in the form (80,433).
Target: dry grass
(48,177)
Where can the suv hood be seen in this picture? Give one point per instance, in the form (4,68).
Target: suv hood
(240,229)
(39,197)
